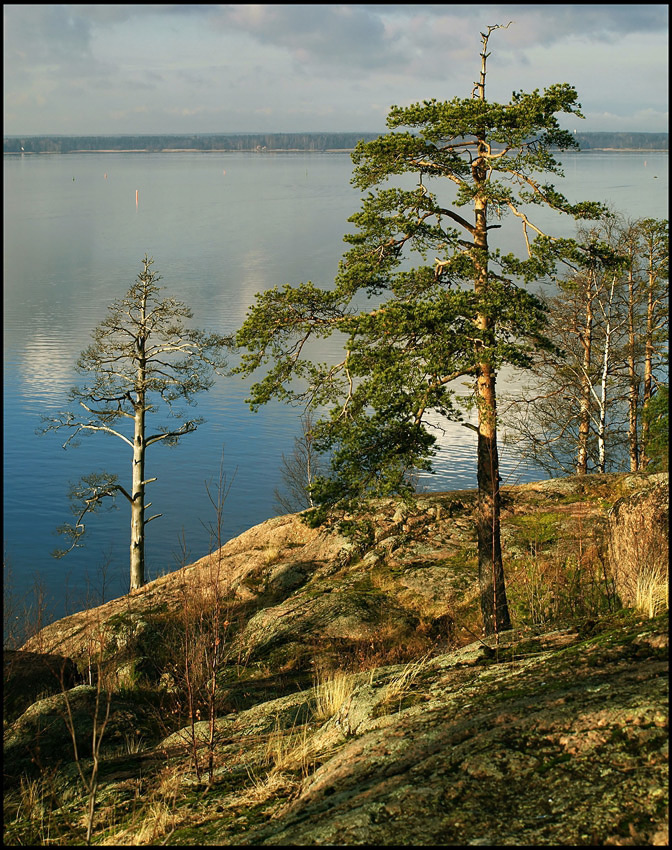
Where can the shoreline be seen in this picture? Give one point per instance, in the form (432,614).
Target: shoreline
(276,150)
(176,150)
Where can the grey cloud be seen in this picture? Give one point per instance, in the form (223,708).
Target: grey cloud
(559,20)
(53,36)
(351,59)
(394,37)
(549,24)
(105,14)
(347,36)
(353,37)
(47,34)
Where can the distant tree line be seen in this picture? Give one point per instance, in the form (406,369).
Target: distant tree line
(276,141)
(240,142)
(623,141)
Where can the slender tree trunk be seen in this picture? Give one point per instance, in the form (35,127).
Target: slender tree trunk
(604,378)
(633,377)
(138,491)
(586,388)
(494,607)
(138,494)
(648,361)
(308,438)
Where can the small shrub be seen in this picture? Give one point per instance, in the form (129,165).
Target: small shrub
(557,587)
(360,533)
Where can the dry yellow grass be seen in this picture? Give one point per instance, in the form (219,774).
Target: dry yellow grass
(332,691)
(401,684)
(156,819)
(638,552)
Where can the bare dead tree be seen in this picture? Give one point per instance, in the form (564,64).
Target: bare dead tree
(299,470)
(143,358)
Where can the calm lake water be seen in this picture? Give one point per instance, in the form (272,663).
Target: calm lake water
(221,228)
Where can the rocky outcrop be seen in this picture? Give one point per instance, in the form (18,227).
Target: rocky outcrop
(395,568)
(30,675)
(556,739)
(552,747)
(355,702)
(41,738)
(638,538)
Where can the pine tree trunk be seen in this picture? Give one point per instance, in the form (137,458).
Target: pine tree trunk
(494,606)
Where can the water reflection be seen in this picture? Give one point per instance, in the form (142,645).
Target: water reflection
(45,370)
(72,248)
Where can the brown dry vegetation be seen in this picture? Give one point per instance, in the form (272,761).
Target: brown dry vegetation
(263,694)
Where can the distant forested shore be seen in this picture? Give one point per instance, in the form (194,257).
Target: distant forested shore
(274,142)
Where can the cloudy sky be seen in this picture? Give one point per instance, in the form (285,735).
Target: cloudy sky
(98,69)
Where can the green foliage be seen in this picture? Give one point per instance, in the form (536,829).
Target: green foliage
(359,532)
(88,496)
(421,299)
(657,414)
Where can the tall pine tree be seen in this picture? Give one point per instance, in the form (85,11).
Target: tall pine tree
(424,300)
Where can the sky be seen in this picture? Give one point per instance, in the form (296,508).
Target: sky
(143,69)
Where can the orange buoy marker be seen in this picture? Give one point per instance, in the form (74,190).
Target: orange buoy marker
(136,197)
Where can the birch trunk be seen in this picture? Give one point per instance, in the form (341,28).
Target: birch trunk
(604,378)
(648,359)
(633,378)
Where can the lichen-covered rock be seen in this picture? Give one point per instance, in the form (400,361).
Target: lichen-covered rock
(41,738)
(565,747)
(312,617)
(29,675)
(552,733)
(400,568)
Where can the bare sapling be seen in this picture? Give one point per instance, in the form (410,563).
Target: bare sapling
(206,612)
(100,718)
